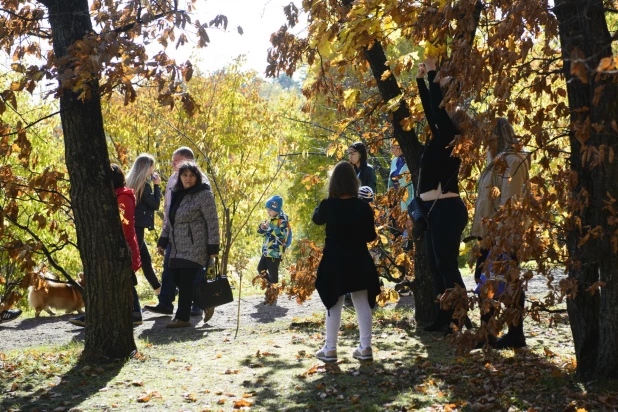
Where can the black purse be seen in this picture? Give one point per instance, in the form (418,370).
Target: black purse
(420,219)
(215,291)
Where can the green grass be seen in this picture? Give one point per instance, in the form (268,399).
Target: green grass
(272,367)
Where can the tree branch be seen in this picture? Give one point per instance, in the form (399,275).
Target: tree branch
(31,124)
(46,251)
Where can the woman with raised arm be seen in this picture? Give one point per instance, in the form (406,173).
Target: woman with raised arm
(439,191)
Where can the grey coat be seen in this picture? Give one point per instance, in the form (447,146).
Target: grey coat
(192,228)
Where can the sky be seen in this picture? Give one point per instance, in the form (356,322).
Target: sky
(258,19)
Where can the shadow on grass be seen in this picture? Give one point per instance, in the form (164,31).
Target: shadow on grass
(42,321)
(159,334)
(268,313)
(76,385)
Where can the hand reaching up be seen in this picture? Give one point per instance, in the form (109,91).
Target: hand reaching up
(422,71)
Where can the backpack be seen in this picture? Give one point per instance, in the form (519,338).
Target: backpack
(288,239)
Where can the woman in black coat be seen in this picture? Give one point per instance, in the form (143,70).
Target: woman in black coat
(357,155)
(148,201)
(346,265)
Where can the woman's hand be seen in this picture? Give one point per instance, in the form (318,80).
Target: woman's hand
(430,64)
(422,71)
(156,179)
(158,291)
(161,250)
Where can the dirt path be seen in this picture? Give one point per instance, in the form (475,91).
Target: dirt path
(55,330)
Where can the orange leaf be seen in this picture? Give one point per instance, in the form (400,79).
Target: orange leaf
(242,403)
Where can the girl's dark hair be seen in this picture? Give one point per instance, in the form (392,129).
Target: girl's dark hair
(118,176)
(343,181)
(193,168)
(362,150)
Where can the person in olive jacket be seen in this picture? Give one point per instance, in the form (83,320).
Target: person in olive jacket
(346,265)
(192,230)
(148,201)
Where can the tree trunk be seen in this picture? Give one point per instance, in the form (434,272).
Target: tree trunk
(412,149)
(104,252)
(585,40)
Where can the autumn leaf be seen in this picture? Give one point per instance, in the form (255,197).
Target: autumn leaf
(241,403)
(350,97)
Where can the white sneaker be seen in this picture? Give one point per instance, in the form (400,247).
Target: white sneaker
(363,353)
(327,355)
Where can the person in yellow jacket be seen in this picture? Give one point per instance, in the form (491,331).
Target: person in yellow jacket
(510,183)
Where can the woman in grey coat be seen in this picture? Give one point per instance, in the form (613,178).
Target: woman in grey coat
(192,229)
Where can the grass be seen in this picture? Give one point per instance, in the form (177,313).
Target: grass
(272,367)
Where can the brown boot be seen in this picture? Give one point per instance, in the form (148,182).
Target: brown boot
(176,323)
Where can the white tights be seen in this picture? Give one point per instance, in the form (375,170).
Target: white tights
(363,312)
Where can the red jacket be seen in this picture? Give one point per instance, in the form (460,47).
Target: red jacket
(126,206)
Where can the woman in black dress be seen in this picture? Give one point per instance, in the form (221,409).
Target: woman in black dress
(346,265)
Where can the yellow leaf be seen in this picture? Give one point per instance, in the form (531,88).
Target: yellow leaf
(324,48)
(350,97)
(385,75)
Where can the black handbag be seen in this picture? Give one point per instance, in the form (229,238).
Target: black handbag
(215,291)
(416,212)
(420,219)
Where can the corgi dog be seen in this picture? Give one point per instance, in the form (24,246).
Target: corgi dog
(48,294)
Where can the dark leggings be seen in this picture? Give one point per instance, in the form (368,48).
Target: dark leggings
(271,267)
(184,278)
(149,272)
(447,220)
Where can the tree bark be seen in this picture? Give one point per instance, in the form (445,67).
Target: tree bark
(104,252)
(584,38)
(412,149)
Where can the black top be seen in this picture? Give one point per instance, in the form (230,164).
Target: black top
(346,264)
(145,208)
(367,176)
(437,164)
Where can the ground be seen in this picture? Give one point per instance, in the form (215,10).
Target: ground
(271,366)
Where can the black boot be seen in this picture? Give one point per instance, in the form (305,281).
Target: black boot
(513,339)
(441,322)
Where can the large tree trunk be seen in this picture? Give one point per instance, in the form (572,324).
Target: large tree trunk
(412,148)
(585,40)
(105,256)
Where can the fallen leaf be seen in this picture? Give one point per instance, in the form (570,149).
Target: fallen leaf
(190,397)
(143,398)
(221,401)
(548,352)
(241,403)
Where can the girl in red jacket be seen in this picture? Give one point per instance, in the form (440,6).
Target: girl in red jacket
(126,206)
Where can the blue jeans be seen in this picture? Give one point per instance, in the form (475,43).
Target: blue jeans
(168,287)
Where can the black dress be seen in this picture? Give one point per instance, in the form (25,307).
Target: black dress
(346,264)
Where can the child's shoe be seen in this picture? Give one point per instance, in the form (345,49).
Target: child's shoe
(327,355)
(363,353)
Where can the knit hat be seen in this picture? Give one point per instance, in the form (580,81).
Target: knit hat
(275,203)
